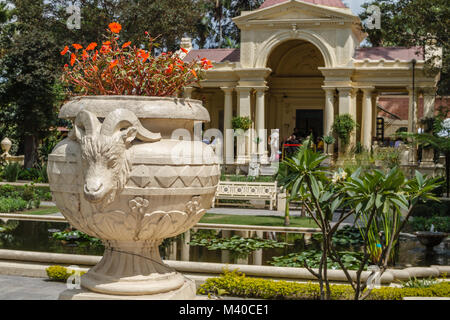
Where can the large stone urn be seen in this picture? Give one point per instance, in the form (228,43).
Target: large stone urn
(122,176)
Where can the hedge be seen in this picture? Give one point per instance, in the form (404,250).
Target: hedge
(42,193)
(8,205)
(237,284)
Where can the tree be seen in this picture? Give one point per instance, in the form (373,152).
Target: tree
(422,23)
(218,19)
(28,74)
(373,198)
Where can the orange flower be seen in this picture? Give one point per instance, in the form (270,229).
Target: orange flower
(95,68)
(180,67)
(91,46)
(184,50)
(115,27)
(126,44)
(206,63)
(113,64)
(107,43)
(85,55)
(145,56)
(105,49)
(194,73)
(169,70)
(73,58)
(94,58)
(77,46)
(66,48)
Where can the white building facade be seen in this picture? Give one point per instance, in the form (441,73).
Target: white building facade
(299,65)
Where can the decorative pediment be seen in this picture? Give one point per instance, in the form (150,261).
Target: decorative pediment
(295,11)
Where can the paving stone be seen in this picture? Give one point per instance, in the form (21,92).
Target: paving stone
(26,288)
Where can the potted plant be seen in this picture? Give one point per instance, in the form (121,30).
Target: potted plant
(343,126)
(241,125)
(120,176)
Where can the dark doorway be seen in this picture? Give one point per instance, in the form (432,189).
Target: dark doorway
(307,120)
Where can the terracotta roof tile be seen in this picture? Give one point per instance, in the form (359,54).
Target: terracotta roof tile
(389,53)
(329,3)
(215,55)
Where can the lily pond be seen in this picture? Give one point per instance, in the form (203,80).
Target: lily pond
(220,246)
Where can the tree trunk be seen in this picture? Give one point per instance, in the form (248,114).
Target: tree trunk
(30,150)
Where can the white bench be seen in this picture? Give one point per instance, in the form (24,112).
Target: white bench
(232,190)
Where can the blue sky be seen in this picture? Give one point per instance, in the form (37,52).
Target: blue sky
(355,5)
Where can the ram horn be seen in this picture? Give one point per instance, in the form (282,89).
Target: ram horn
(85,121)
(123,118)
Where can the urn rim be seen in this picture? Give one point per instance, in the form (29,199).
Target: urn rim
(145,107)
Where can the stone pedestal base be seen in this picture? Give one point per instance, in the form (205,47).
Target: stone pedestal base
(186,292)
(133,269)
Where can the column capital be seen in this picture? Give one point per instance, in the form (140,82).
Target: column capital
(429,91)
(347,90)
(227,89)
(411,89)
(329,89)
(367,90)
(261,89)
(243,88)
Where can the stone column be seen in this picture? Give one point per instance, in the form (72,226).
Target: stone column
(244,110)
(412,110)
(328,118)
(260,124)
(188,92)
(329,110)
(347,106)
(367,113)
(429,96)
(374,113)
(227,127)
(412,122)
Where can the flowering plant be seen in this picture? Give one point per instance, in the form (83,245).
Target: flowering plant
(112,68)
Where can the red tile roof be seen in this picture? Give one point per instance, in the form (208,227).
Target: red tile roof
(329,3)
(389,53)
(215,55)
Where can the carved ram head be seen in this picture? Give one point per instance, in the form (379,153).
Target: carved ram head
(106,164)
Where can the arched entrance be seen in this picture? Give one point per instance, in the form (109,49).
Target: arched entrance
(295,97)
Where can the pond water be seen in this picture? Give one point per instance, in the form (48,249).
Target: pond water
(37,236)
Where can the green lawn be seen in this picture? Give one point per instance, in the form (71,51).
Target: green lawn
(43,210)
(257,220)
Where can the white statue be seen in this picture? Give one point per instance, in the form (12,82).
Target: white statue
(274,145)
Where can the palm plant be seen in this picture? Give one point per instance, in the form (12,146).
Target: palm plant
(328,140)
(291,172)
(373,197)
